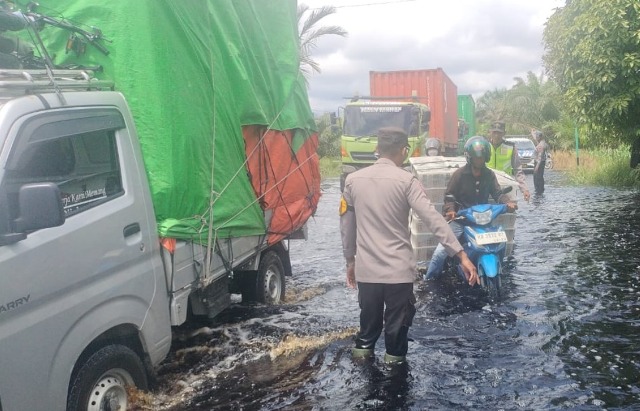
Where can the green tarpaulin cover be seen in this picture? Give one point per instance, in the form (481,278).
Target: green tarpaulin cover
(194,72)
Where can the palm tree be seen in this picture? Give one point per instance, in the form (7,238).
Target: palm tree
(309,35)
(491,106)
(532,102)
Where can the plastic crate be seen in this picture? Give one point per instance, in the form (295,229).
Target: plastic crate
(423,254)
(419,240)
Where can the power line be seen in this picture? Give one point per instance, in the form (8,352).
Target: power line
(368,4)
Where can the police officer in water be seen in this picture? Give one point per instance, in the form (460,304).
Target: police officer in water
(374,215)
(504,157)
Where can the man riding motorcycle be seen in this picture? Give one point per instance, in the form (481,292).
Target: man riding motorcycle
(470,185)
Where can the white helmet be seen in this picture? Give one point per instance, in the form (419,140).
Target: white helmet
(432,147)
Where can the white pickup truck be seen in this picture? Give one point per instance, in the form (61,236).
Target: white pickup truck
(112,233)
(88,295)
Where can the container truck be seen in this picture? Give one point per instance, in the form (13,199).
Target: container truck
(431,87)
(145,192)
(466,114)
(364,116)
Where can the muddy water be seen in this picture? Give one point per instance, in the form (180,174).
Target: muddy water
(564,336)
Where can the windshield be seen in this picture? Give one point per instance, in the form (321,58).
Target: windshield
(524,144)
(364,121)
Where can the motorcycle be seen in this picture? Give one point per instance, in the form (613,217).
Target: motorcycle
(484,243)
(548,164)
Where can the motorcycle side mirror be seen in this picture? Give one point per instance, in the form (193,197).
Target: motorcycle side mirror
(449,198)
(506,190)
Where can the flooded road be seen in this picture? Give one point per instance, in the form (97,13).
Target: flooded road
(564,335)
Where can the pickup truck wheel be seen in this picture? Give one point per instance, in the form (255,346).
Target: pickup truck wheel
(100,382)
(270,281)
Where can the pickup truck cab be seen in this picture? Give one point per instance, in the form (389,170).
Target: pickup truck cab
(82,279)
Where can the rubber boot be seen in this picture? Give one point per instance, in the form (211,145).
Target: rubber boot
(362,352)
(394,359)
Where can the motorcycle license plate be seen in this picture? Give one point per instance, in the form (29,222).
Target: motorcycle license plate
(491,238)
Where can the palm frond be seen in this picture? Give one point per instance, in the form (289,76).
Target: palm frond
(309,35)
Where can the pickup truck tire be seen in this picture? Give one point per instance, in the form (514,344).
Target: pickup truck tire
(100,382)
(267,285)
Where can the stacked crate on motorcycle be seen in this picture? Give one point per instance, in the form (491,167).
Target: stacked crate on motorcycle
(507,220)
(434,173)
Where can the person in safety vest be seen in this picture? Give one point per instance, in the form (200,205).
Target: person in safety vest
(504,157)
(376,243)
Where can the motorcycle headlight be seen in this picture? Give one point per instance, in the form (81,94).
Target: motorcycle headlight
(482,218)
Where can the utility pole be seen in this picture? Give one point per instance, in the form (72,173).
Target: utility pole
(575,132)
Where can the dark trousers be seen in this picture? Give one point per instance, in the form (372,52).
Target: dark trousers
(391,305)
(538,178)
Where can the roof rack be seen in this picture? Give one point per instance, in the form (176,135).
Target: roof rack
(31,81)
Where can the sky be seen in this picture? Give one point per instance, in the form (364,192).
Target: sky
(480,44)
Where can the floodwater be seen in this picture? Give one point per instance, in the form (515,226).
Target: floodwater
(563,336)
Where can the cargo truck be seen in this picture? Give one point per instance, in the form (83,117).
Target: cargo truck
(467,119)
(434,89)
(364,116)
(140,195)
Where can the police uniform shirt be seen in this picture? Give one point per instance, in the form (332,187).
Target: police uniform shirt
(375,222)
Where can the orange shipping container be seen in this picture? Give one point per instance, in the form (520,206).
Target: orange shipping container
(432,87)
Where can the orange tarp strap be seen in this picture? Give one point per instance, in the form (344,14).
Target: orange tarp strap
(169,244)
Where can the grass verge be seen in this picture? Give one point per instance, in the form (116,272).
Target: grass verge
(330,167)
(601,167)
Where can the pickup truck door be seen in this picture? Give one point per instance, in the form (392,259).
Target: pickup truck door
(61,287)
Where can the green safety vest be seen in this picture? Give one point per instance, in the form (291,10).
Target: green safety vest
(501,158)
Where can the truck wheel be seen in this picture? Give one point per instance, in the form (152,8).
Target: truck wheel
(266,285)
(270,284)
(100,382)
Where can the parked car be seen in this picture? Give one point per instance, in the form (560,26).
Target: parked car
(526,150)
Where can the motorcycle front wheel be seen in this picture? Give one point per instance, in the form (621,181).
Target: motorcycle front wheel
(492,285)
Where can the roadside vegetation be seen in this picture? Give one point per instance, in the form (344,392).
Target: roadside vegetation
(329,146)
(591,89)
(599,167)
(330,167)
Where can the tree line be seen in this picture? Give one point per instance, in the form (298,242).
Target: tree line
(591,83)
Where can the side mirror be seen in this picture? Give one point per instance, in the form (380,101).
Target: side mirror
(449,198)
(39,206)
(506,190)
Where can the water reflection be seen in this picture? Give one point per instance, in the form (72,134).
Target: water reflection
(386,387)
(564,336)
